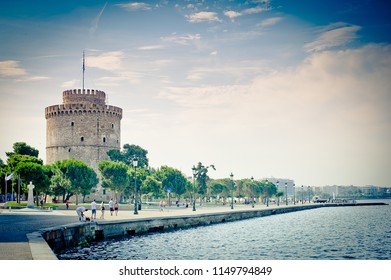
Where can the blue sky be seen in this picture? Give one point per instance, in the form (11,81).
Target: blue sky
(290,89)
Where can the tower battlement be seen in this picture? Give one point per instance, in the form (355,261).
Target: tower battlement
(85,96)
(82,127)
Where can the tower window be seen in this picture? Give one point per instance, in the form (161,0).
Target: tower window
(82,139)
(69,150)
(72,123)
(112,125)
(104,139)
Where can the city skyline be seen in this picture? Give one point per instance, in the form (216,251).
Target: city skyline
(259,88)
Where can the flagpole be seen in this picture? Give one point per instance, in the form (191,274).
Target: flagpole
(84,69)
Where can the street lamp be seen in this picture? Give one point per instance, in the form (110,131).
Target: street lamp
(267,197)
(252,191)
(309,195)
(194,186)
(294,194)
(302,194)
(134,161)
(278,194)
(286,193)
(232,198)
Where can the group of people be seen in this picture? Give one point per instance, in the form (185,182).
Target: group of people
(113,207)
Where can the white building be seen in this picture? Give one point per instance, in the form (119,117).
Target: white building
(284,185)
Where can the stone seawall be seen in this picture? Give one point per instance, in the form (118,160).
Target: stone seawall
(81,233)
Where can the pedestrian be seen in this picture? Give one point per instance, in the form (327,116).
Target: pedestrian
(80,210)
(102,209)
(111,206)
(161,205)
(116,207)
(67,203)
(93,210)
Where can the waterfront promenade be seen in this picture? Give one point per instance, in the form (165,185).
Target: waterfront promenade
(16,225)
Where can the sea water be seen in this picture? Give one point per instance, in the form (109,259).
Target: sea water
(327,233)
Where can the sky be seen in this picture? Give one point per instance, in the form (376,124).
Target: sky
(263,88)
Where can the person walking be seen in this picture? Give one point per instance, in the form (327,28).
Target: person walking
(116,207)
(67,203)
(93,210)
(161,205)
(111,206)
(80,210)
(102,209)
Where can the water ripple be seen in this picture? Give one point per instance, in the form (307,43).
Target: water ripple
(324,233)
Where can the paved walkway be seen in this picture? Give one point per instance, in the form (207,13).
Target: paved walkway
(17,226)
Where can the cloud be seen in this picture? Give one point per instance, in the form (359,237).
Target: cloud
(334,107)
(255,10)
(182,39)
(270,21)
(232,14)
(70,84)
(333,35)
(150,47)
(135,6)
(11,68)
(203,16)
(109,61)
(95,22)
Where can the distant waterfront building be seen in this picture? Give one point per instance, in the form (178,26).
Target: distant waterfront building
(290,184)
(84,127)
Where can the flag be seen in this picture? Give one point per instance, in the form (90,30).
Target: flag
(9,177)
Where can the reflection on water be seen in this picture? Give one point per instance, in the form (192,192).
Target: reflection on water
(325,233)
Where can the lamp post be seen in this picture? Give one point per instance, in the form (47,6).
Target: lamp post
(252,191)
(286,193)
(309,195)
(302,194)
(267,197)
(278,194)
(232,198)
(194,187)
(294,194)
(134,161)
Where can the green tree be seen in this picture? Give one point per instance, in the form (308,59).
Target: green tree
(22,148)
(269,189)
(151,186)
(172,179)
(201,175)
(81,176)
(128,153)
(35,173)
(60,184)
(136,181)
(217,188)
(115,176)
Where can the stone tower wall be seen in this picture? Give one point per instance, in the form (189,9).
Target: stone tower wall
(84,128)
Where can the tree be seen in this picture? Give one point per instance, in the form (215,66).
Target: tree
(60,184)
(35,173)
(22,148)
(269,189)
(151,186)
(217,188)
(81,176)
(173,180)
(128,153)
(202,178)
(115,176)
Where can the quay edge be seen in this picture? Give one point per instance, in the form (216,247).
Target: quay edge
(82,233)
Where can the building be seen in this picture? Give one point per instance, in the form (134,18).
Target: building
(84,127)
(280,184)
